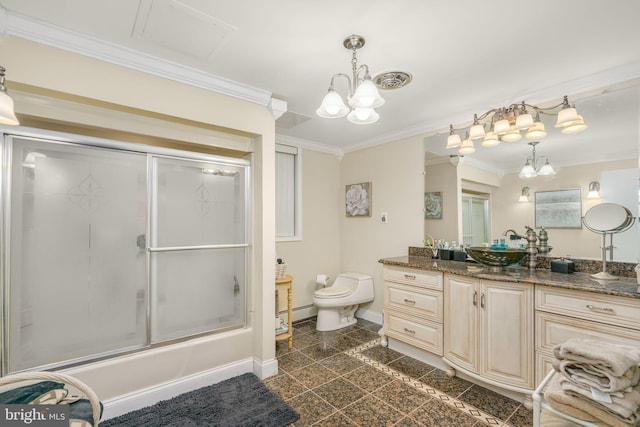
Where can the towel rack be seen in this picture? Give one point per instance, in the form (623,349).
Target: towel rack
(539,404)
(64,378)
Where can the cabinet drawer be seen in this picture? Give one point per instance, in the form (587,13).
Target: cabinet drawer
(415,277)
(417,332)
(553,329)
(618,311)
(421,302)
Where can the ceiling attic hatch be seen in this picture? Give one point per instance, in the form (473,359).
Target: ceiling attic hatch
(175,26)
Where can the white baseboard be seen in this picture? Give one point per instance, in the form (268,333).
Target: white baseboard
(371,316)
(143,398)
(265,369)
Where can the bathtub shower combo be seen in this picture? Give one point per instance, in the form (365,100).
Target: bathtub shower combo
(112,247)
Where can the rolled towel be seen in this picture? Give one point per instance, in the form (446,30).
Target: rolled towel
(615,357)
(583,409)
(623,403)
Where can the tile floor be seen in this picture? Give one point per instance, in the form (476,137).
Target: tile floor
(345,378)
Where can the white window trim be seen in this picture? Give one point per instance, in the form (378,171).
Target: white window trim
(294,149)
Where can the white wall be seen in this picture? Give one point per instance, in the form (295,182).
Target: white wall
(443,178)
(319,250)
(395,171)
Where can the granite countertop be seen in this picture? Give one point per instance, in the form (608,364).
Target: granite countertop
(624,286)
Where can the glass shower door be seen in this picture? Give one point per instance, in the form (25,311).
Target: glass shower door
(198,247)
(76,272)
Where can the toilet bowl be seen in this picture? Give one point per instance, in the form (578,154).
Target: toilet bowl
(337,304)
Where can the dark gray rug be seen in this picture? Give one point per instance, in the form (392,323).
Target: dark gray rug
(241,401)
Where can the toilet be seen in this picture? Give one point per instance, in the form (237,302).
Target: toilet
(337,304)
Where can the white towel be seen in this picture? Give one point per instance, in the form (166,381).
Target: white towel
(608,367)
(584,409)
(623,403)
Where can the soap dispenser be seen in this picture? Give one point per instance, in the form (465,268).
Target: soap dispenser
(543,247)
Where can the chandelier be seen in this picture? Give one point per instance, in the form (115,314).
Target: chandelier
(533,166)
(363,96)
(506,124)
(7,114)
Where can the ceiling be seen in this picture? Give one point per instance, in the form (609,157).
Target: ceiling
(465,56)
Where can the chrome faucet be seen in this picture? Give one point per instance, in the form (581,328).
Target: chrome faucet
(518,236)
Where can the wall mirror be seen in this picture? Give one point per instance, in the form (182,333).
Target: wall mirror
(608,152)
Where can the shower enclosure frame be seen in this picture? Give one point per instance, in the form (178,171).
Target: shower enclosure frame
(151,152)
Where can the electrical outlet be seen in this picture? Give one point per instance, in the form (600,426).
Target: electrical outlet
(384,217)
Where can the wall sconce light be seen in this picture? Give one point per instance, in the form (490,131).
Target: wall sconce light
(506,124)
(7,114)
(524,196)
(594,190)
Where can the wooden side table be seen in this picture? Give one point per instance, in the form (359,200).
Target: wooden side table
(287,281)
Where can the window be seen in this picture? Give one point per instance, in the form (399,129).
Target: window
(288,194)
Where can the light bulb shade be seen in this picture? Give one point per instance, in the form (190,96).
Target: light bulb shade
(467,147)
(594,190)
(527,171)
(566,116)
(524,121)
(546,169)
(574,126)
(476,132)
(501,126)
(512,136)
(363,116)
(454,141)
(7,114)
(332,106)
(536,131)
(490,140)
(366,95)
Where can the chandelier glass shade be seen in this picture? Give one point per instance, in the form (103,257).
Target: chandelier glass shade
(7,113)
(511,123)
(534,166)
(363,96)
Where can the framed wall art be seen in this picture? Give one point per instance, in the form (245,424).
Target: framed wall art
(559,208)
(357,200)
(433,205)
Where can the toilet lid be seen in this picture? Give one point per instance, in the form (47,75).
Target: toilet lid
(331,292)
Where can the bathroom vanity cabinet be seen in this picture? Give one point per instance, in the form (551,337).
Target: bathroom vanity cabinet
(483,323)
(488,331)
(413,307)
(566,313)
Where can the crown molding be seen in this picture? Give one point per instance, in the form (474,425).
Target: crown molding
(309,145)
(16,25)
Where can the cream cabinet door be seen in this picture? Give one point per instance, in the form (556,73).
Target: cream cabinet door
(461,321)
(506,333)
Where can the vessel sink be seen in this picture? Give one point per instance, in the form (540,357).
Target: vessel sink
(496,258)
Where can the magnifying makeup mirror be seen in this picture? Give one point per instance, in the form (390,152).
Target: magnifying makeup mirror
(607,218)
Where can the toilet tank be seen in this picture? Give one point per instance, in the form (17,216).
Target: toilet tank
(351,280)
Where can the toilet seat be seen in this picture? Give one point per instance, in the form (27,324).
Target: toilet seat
(331,292)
